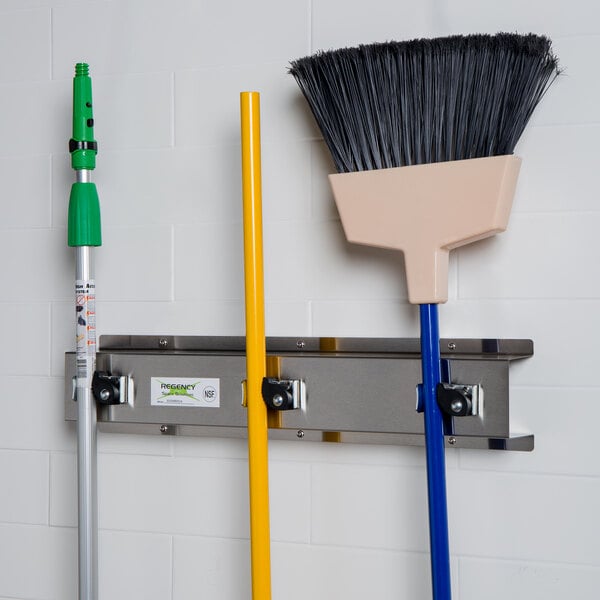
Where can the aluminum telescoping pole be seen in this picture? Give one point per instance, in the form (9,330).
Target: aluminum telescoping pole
(84,234)
(86,430)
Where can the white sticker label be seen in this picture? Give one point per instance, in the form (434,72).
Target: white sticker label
(184,391)
(85,312)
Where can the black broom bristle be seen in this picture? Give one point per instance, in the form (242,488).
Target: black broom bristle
(430,100)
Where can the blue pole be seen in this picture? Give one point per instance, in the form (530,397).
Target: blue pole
(434,447)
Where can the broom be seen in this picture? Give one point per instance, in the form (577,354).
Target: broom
(412,113)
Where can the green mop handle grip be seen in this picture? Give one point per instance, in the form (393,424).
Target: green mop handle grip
(84,207)
(84,215)
(82,145)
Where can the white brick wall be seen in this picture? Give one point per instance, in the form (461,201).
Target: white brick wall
(347,522)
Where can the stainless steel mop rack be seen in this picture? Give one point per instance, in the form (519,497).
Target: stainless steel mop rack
(346,389)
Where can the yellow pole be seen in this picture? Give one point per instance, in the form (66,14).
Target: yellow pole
(260,543)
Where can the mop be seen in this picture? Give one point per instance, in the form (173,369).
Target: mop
(258,439)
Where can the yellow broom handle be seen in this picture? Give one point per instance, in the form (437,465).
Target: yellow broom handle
(255,348)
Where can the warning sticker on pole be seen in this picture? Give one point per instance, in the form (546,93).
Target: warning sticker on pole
(85,314)
(185,391)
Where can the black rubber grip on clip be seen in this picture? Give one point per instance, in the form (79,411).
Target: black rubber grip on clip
(76,145)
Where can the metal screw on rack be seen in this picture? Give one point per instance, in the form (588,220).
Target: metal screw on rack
(451,346)
(300,433)
(164,428)
(452,441)
(163,342)
(300,344)
(456,406)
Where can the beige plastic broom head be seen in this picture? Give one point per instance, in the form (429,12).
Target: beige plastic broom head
(426,211)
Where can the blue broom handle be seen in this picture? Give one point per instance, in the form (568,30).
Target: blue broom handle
(434,446)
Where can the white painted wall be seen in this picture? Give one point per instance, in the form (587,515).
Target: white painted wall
(347,522)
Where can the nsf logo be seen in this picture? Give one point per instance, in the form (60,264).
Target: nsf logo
(209,394)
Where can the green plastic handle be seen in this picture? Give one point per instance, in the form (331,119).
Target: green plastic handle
(84,207)
(84,216)
(82,146)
